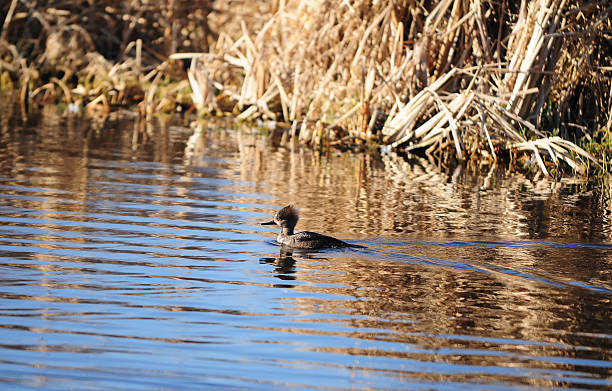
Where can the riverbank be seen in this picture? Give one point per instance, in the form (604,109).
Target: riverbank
(453,81)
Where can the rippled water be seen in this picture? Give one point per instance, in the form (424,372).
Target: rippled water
(133,259)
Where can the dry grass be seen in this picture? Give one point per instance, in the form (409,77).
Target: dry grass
(101,54)
(455,79)
(477,77)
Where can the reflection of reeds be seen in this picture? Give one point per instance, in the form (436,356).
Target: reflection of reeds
(391,196)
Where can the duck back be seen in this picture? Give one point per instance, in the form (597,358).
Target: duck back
(312,240)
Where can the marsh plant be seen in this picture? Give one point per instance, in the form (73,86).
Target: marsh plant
(448,79)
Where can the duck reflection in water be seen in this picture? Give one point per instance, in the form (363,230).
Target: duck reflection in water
(287,218)
(285,263)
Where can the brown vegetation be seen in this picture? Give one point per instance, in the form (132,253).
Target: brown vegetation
(451,78)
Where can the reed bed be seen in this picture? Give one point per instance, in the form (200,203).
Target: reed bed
(452,79)
(100,55)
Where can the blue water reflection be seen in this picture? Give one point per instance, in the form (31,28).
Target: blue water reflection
(129,263)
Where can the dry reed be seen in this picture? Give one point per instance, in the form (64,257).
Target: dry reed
(479,77)
(463,79)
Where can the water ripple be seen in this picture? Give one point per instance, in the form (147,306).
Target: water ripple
(125,270)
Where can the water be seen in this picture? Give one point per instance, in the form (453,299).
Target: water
(135,260)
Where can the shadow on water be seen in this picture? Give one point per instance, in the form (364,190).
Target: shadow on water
(284,266)
(132,257)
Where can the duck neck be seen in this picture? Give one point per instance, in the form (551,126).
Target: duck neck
(287,230)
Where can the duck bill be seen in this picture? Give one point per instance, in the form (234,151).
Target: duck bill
(269,223)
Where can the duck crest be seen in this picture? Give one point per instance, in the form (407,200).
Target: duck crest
(289,212)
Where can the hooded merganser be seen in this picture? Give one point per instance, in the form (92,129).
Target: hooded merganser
(287,218)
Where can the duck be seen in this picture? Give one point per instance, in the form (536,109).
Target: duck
(287,218)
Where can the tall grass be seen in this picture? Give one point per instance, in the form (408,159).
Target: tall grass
(478,78)
(455,79)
